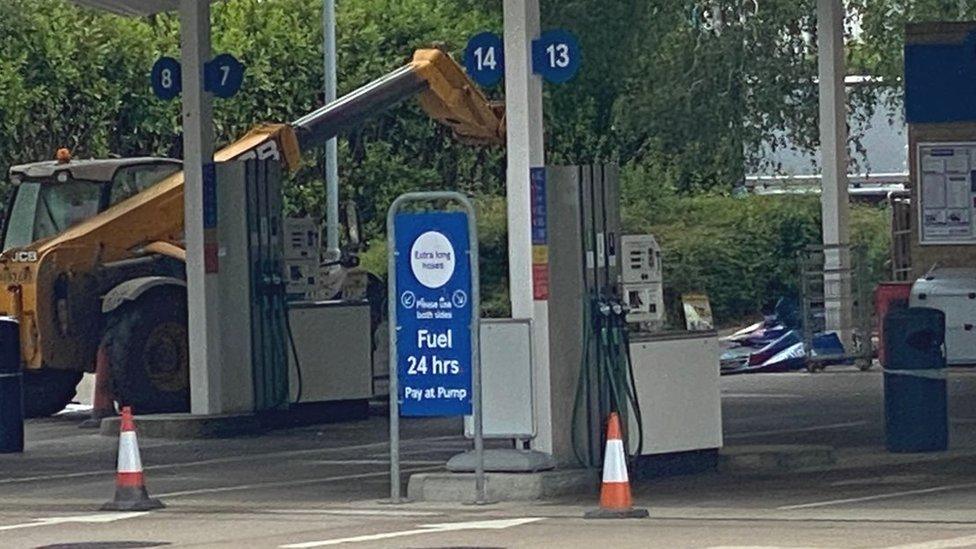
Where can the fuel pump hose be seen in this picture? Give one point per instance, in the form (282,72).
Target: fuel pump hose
(604,324)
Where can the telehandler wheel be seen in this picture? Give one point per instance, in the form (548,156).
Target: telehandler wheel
(47,392)
(148,353)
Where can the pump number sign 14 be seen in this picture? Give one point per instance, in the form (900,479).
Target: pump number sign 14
(433,294)
(484,59)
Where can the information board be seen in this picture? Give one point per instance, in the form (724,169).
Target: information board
(946,181)
(540,235)
(434,314)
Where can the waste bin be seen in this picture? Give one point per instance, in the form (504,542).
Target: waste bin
(915,403)
(11,388)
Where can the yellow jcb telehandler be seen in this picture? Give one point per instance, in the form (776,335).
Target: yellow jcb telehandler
(93,254)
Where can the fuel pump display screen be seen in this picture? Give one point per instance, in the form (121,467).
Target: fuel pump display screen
(946,179)
(434,314)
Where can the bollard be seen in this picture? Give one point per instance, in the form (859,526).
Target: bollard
(11,388)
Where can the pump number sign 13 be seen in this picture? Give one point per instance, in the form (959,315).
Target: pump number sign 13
(433,274)
(556,56)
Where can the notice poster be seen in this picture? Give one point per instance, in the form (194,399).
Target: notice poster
(698,312)
(946,180)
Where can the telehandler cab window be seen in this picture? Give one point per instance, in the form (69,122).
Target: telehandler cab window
(41,210)
(135,179)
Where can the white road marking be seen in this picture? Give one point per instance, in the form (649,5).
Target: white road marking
(759,395)
(90,519)
(758,547)
(287,483)
(374,462)
(814,428)
(62,476)
(890,479)
(356,512)
(889,495)
(217,461)
(423,529)
(968,541)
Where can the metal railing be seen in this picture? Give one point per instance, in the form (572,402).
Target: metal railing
(855,330)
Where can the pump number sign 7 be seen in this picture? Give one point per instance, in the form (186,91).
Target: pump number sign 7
(556,56)
(224,76)
(484,59)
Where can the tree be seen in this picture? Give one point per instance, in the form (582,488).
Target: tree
(80,80)
(880,44)
(692,90)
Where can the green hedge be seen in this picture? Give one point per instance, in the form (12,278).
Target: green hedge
(742,251)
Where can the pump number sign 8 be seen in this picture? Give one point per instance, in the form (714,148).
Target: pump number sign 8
(166,78)
(434,314)
(556,56)
(484,59)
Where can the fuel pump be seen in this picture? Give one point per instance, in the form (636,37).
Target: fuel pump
(587,315)
(607,351)
(247,254)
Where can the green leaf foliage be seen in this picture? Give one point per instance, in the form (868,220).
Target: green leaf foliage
(742,251)
(80,79)
(680,93)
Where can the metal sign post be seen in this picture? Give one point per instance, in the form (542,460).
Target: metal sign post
(435,311)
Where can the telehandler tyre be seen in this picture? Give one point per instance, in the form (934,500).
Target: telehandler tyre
(148,353)
(47,392)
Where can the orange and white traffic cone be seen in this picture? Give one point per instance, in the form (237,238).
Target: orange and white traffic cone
(103,405)
(130,487)
(615,498)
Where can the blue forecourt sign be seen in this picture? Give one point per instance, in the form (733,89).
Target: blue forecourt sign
(434,314)
(556,55)
(484,59)
(166,78)
(224,76)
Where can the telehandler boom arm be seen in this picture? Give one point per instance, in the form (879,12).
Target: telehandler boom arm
(445,93)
